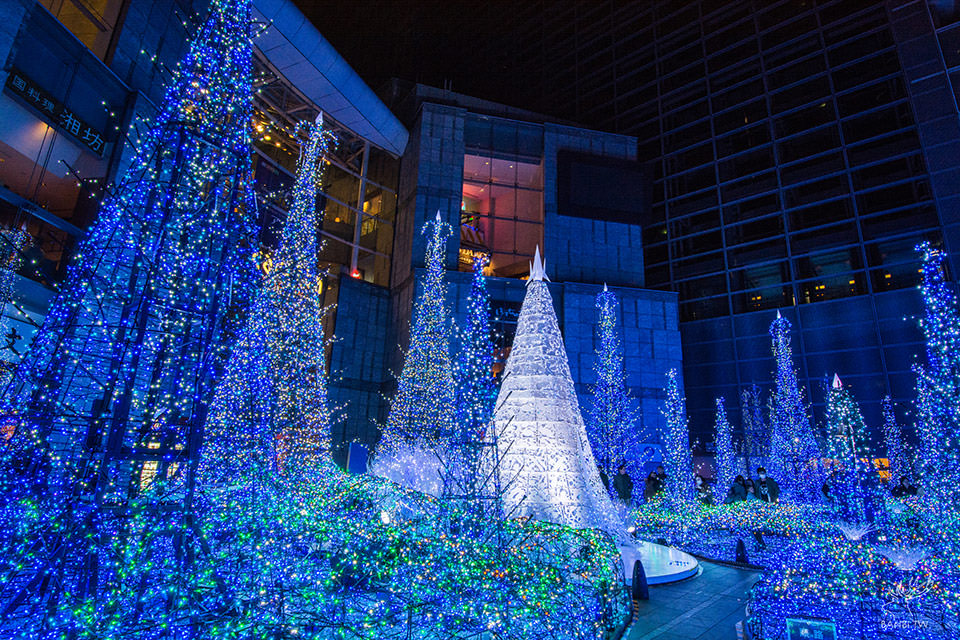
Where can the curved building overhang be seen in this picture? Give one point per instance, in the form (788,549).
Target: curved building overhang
(297,50)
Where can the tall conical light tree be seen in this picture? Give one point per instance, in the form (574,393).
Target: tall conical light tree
(938,405)
(548,468)
(268,435)
(612,425)
(895,444)
(675,440)
(421,418)
(794,453)
(726,461)
(270,413)
(112,397)
(476,390)
(847,438)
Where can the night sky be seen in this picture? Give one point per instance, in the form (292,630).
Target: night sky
(427,41)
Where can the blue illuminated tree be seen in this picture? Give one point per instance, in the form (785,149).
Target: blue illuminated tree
(476,391)
(422,416)
(675,440)
(726,457)
(611,428)
(846,434)
(896,446)
(464,480)
(938,405)
(794,454)
(111,400)
(270,412)
(756,435)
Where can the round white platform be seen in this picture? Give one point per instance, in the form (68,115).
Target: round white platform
(661,564)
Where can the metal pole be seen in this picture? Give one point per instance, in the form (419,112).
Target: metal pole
(358,221)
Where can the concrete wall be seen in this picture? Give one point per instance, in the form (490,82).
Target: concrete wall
(578,249)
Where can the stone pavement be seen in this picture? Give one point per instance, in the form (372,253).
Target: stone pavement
(706,607)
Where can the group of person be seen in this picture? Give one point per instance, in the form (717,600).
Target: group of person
(764,488)
(622,484)
(904,488)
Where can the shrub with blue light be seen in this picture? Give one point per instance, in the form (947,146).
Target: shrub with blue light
(897,576)
(612,425)
(794,454)
(476,394)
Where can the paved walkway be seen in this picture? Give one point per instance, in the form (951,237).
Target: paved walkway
(706,607)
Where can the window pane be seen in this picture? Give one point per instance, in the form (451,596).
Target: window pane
(705,308)
(476,168)
(760,252)
(814,191)
(501,238)
(807,118)
(809,144)
(877,123)
(694,224)
(503,203)
(887,172)
(503,171)
(529,205)
(824,238)
(899,195)
(529,236)
(884,92)
(832,287)
(753,208)
(530,175)
(828,264)
(702,287)
(876,227)
(828,163)
(755,230)
(749,186)
(769,298)
(866,70)
(760,276)
(747,163)
(875,150)
(820,214)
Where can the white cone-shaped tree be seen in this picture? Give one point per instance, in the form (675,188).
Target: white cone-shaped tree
(547,465)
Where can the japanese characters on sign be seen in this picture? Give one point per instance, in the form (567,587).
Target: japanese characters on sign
(54,111)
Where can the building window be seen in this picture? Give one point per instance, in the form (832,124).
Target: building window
(501,210)
(92,21)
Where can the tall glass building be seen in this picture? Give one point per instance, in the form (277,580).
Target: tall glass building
(798,150)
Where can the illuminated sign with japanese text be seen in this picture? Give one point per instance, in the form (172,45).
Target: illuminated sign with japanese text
(54,111)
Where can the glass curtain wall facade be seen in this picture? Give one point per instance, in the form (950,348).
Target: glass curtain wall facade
(789,171)
(502,208)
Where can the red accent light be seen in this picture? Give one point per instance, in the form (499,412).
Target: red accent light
(355,274)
